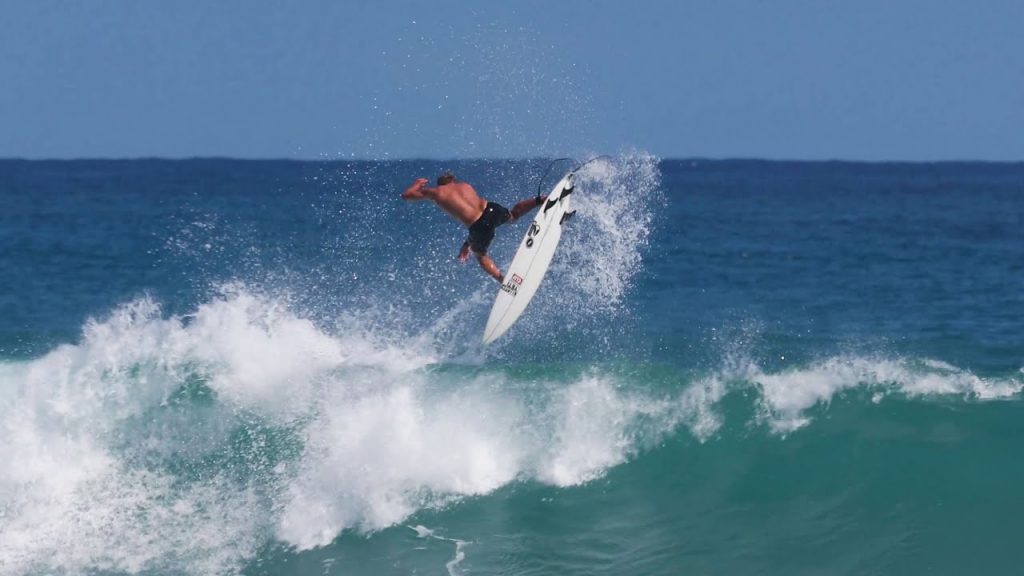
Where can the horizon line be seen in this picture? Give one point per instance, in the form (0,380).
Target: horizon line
(721,159)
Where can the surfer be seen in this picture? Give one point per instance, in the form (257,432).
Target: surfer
(462,203)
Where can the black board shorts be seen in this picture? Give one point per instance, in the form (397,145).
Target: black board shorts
(481,232)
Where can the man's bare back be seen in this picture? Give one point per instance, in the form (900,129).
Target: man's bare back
(460,201)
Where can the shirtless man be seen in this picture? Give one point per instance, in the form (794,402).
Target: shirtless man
(462,203)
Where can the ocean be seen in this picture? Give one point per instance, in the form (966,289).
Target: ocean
(217,366)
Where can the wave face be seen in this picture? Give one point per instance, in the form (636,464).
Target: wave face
(216,367)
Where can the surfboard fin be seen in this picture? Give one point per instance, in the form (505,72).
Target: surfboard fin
(566,216)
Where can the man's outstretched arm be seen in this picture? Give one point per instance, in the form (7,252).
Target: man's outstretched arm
(418,191)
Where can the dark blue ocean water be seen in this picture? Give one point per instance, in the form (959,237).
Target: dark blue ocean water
(733,367)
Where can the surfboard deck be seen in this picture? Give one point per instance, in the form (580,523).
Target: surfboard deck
(524,275)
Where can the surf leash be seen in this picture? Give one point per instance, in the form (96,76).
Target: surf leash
(580,166)
(576,169)
(546,172)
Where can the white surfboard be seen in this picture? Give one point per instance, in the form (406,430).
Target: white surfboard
(524,274)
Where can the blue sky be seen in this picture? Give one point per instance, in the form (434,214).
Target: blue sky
(866,80)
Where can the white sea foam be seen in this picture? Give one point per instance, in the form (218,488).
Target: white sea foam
(108,443)
(595,425)
(378,455)
(460,545)
(787,396)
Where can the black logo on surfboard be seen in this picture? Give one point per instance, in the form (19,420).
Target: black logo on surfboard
(510,288)
(534,230)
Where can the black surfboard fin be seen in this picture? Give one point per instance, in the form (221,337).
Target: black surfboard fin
(566,216)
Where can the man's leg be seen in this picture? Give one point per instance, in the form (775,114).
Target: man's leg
(489,266)
(525,206)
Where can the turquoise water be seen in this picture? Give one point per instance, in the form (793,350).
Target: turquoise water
(733,367)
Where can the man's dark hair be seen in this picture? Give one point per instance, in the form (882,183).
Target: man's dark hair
(446,177)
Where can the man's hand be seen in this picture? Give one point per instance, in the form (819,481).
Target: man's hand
(464,252)
(414,191)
